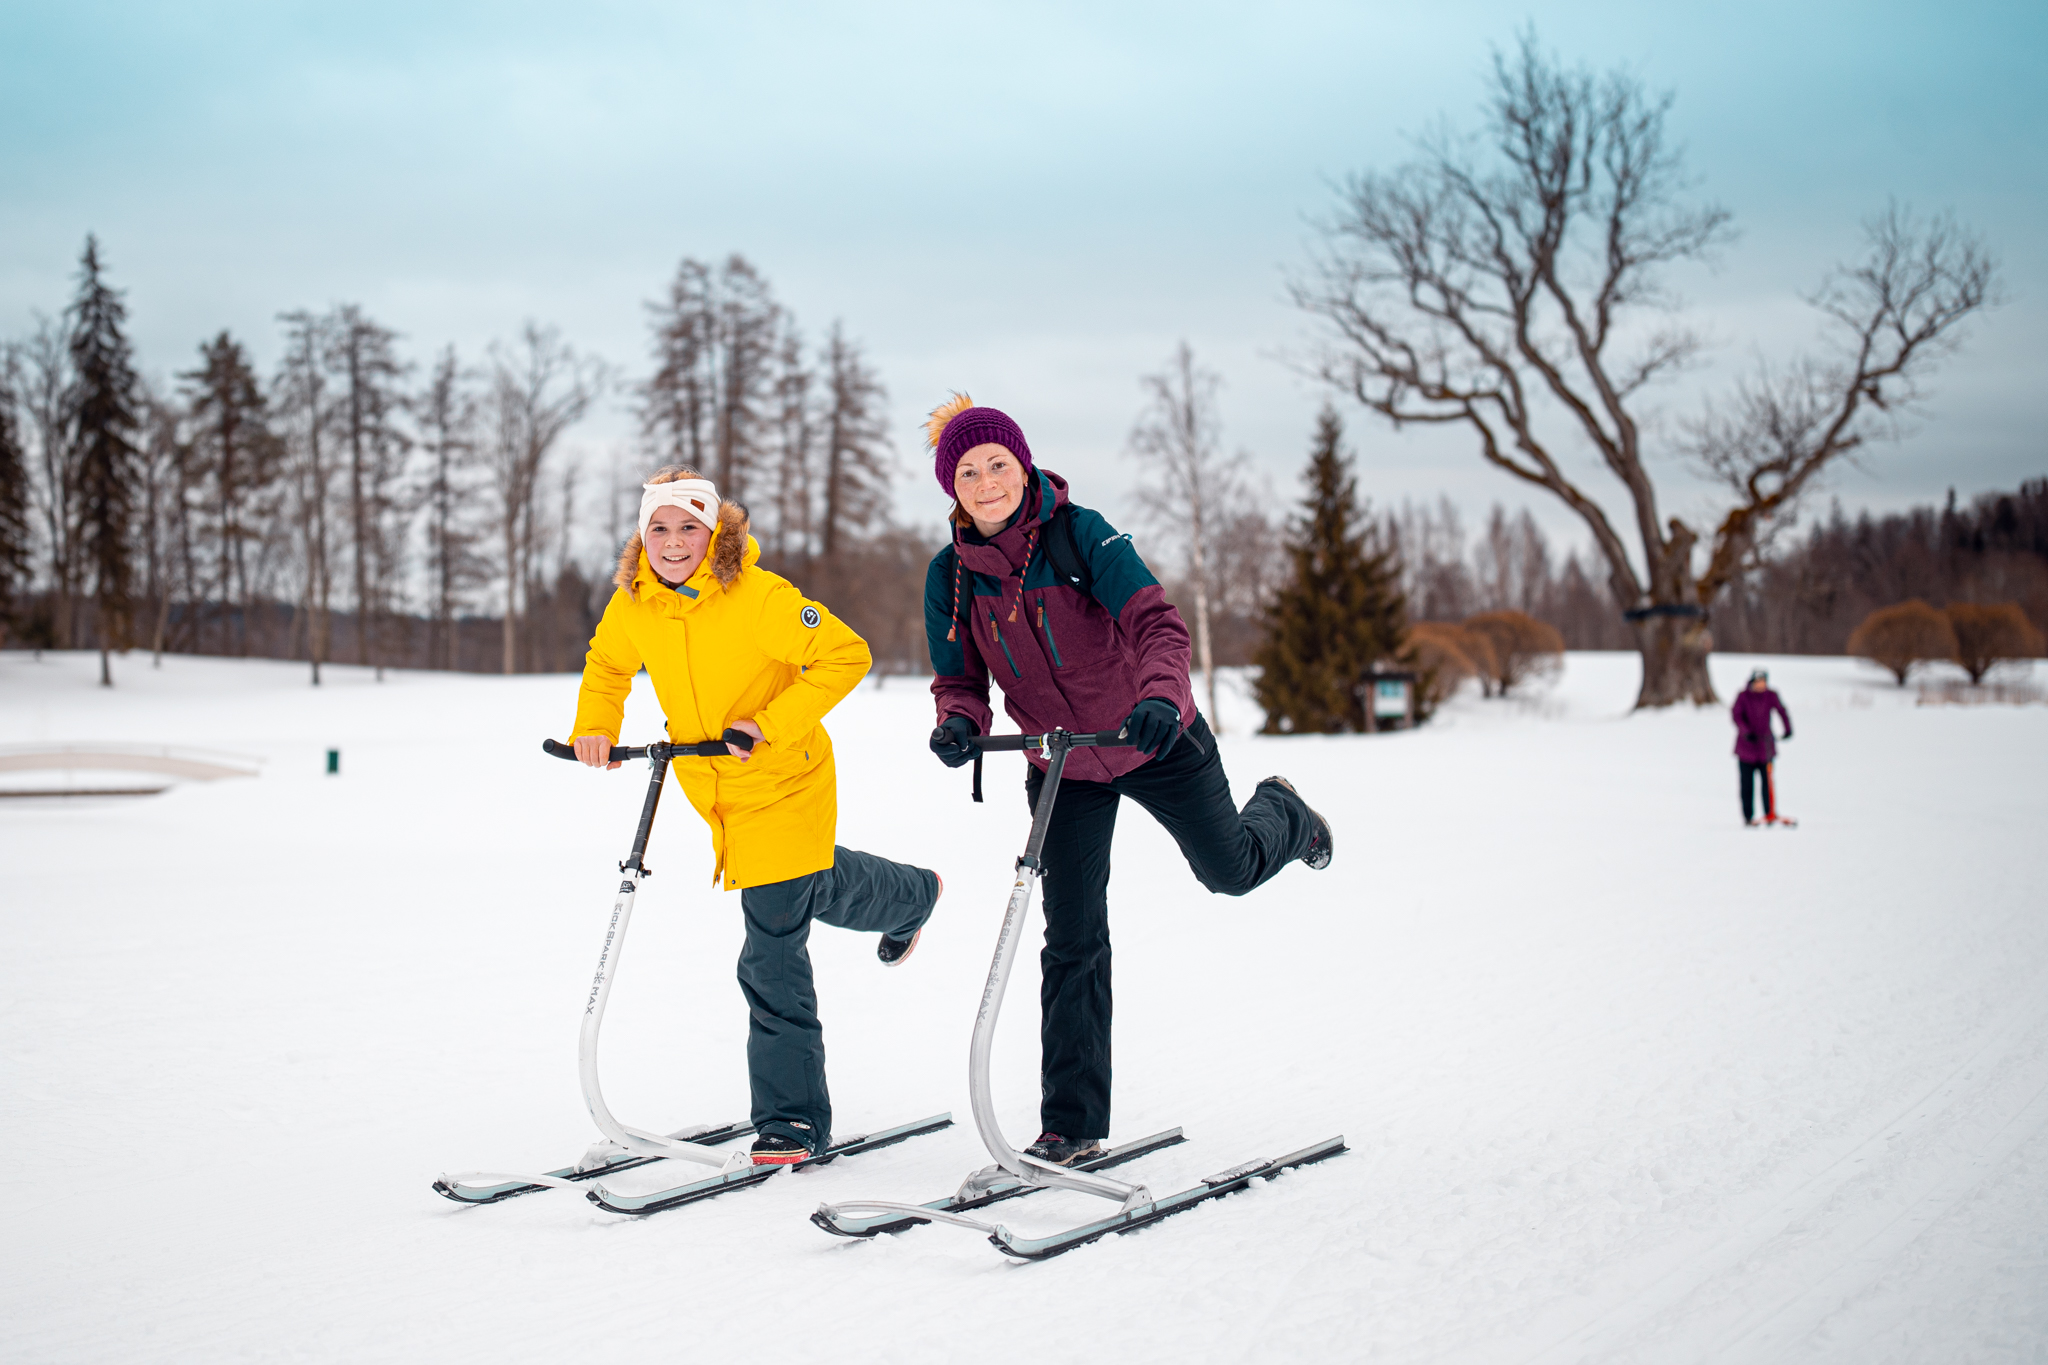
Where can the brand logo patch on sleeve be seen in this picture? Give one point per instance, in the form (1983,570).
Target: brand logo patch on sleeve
(811,617)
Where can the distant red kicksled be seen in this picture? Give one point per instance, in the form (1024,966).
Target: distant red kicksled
(1771,799)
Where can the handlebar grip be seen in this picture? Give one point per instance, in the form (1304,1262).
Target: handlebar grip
(621,753)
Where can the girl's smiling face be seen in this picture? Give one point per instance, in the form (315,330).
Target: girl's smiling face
(676,542)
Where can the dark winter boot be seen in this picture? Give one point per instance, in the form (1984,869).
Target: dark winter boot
(777,1150)
(1319,849)
(1061,1151)
(894,951)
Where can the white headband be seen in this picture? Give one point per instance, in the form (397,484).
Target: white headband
(697,497)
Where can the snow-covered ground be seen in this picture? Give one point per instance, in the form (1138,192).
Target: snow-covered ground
(1622,1080)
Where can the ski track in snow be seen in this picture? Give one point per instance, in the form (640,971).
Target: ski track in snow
(1622,1081)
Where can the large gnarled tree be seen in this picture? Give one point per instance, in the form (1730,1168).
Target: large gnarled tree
(1511,285)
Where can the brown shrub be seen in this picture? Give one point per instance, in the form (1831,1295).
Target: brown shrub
(1902,636)
(1990,633)
(1523,647)
(1443,655)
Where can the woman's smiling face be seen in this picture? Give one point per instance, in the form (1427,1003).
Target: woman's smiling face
(989,482)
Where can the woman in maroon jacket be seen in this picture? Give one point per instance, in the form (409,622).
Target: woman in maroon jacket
(1755,745)
(1049,600)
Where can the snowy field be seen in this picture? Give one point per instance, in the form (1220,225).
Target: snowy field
(1622,1080)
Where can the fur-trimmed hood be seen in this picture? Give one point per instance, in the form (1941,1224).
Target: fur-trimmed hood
(727,557)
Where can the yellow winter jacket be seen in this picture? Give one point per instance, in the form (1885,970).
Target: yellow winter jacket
(750,648)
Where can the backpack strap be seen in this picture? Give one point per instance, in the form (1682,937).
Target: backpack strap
(1064,552)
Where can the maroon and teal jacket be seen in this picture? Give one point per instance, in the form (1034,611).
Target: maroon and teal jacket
(1754,742)
(1063,657)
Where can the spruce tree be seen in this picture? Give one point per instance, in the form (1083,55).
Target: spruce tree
(1340,613)
(104,403)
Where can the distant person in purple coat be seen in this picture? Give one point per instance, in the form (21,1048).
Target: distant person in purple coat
(1756,746)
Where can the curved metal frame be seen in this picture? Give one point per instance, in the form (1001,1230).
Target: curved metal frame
(637,1141)
(1030,870)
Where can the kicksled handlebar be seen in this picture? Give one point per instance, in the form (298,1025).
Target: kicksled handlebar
(1051,743)
(1100,739)
(626,753)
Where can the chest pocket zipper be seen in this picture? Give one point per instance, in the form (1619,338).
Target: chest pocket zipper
(996,631)
(1051,643)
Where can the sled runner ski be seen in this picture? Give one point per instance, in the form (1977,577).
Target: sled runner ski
(1014,1171)
(989,1185)
(624,1146)
(612,1202)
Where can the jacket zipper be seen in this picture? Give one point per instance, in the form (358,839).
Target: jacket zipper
(1052,643)
(996,631)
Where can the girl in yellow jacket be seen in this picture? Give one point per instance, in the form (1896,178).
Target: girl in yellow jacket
(731,647)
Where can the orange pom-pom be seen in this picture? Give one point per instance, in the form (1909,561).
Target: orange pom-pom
(935,425)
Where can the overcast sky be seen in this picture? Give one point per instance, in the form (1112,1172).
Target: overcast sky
(1030,202)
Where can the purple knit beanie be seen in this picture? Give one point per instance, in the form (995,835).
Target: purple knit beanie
(962,430)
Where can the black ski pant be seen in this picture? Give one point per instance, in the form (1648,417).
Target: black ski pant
(785,1042)
(1751,774)
(1230,852)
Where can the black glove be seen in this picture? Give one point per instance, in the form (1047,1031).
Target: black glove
(949,741)
(1153,727)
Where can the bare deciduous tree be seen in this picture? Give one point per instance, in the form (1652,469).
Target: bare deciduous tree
(540,387)
(1178,436)
(856,431)
(236,454)
(305,405)
(363,357)
(15,530)
(45,396)
(707,404)
(447,420)
(1512,286)
(795,442)
(166,488)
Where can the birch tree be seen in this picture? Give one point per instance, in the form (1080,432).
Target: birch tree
(1189,483)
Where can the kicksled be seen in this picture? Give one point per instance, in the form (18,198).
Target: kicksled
(1016,1174)
(624,1147)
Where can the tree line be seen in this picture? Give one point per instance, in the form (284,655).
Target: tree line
(1337,594)
(1224,548)
(359,505)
